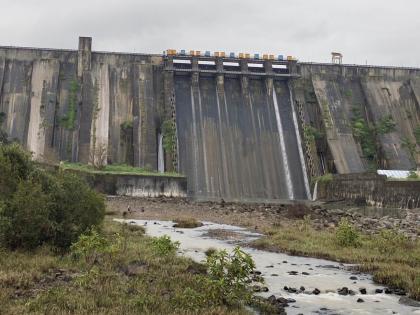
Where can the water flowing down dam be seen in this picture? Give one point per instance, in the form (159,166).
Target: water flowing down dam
(239,127)
(237,140)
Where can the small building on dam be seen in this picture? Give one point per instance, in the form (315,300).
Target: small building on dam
(239,127)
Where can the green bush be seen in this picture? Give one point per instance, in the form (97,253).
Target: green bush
(164,246)
(230,274)
(38,207)
(346,234)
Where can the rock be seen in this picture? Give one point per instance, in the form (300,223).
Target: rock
(271,266)
(282,301)
(302,288)
(256,272)
(407,301)
(351,292)
(378,291)
(400,292)
(284,262)
(359,300)
(343,291)
(291,301)
(388,291)
(274,275)
(292,273)
(256,288)
(353,278)
(316,291)
(305,273)
(286,288)
(362,290)
(264,289)
(272,299)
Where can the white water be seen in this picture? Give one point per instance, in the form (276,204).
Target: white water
(315,194)
(299,142)
(323,274)
(283,149)
(161,161)
(195,144)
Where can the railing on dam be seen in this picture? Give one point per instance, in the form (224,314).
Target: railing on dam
(231,66)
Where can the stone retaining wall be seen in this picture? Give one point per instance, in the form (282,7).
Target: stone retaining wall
(373,189)
(136,185)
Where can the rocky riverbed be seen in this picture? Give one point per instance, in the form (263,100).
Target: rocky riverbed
(261,216)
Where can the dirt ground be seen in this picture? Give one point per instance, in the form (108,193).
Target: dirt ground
(254,216)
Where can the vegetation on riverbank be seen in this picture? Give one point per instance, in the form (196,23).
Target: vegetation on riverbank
(393,259)
(116,169)
(116,271)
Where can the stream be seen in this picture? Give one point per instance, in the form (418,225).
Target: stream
(280,270)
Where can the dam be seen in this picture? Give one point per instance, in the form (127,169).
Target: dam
(239,127)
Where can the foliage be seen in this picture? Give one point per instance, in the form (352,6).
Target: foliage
(187,223)
(126,126)
(365,135)
(40,207)
(385,125)
(3,134)
(89,246)
(417,134)
(229,274)
(310,133)
(346,235)
(98,156)
(115,169)
(69,120)
(168,130)
(164,246)
(326,178)
(389,239)
(131,281)
(413,175)
(410,147)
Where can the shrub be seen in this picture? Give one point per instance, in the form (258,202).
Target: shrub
(90,246)
(38,207)
(164,246)
(346,235)
(229,275)
(189,223)
(389,239)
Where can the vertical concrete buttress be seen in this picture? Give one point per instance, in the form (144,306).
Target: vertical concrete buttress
(88,96)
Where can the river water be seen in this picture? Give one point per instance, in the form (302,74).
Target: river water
(327,276)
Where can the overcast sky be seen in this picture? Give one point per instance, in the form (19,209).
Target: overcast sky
(379,32)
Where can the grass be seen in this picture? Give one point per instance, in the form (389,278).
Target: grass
(117,169)
(135,280)
(188,223)
(394,261)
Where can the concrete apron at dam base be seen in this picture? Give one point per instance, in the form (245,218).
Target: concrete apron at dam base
(281,270)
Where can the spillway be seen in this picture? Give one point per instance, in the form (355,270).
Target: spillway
(236,141)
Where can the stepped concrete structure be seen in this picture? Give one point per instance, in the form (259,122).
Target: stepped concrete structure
(238,128)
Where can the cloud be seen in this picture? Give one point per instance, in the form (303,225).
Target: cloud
(380,32)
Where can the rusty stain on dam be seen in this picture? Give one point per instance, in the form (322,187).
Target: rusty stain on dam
(245,129)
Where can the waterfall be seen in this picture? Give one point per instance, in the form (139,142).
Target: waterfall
(315,194)
(283,148)
(195,144)
(223,151)
(299,142)
(161,162)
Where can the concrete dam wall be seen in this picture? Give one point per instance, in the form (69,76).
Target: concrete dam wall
(238,128)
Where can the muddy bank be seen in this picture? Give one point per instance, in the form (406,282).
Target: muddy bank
(262,216)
